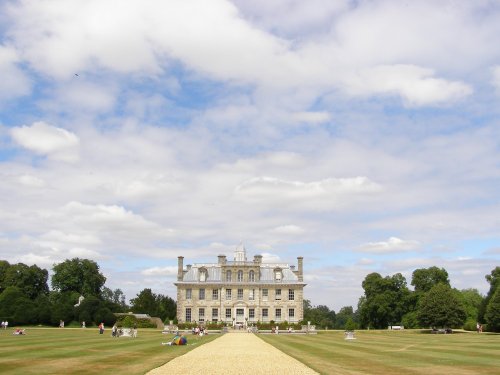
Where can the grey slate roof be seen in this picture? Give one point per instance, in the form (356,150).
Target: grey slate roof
(215,274)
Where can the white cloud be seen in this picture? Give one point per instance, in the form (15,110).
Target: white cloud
(44,139)
(270,258)
(320,194)
(392,245)
(31,181)
(417,86)
(15,82)
(312,117)
(496,77)
(160,271)
(288,230)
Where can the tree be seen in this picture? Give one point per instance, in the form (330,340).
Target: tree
(472,301)
(344,314)
(494,280)
(320,316)
(385,301)
(423,279)
(492,315)
(32,280)
(4,266)
(440,307)
(145,303)
(78,275)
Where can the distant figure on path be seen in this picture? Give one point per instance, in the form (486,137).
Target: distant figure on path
(101,328)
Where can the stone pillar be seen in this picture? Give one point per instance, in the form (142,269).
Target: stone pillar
(300,261)
(180,266)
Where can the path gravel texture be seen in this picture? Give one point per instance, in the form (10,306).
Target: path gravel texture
(234,353)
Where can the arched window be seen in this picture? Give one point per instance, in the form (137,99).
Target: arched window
(251,276)
(240,275)
(228,275)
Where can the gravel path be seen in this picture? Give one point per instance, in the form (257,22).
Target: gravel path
(234,353)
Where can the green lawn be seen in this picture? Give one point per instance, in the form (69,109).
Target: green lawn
(393,352)
(85,351)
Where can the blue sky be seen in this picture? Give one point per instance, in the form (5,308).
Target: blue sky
(362,135)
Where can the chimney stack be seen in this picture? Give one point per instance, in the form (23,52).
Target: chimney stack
(300,261)
(180,266)
(222,259)
(257,259)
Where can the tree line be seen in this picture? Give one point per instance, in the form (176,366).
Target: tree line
(432,303)
(25,297)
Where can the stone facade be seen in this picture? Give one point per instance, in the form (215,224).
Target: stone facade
(240,292)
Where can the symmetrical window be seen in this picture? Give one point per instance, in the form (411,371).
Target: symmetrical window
(251,294)
(188,293)
(251,276)
(278,295)
(228,294)
(240,313)
(201,314)
(291,294)
(240,293)
(278,275)
(201,294)
(188,314)
(215,294)
(278,314)
(203,274)
(228,313)
(251,314)
(240,275)
(215,314)
(265,314)
(265,294)
(291,315)
(228,275)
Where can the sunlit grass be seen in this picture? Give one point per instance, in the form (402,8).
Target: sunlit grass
(393,352)
(85,351)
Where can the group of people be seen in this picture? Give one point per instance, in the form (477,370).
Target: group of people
(117,332)
(5,324)
(199,331)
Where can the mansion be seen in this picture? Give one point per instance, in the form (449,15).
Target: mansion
(240,292)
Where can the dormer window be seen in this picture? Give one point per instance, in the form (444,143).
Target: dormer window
(278,274)
(203,274)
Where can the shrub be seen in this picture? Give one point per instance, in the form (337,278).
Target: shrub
(470,325)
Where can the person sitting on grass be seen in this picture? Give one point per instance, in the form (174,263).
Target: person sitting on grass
(19,331)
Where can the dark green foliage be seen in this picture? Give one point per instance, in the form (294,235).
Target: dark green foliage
(472,300)
(423,279)
(320,316)
(344,314)
(385,301)
(78,275)
(31,280)
(441,308)
(129,321)
(104,315)
(492,315)
(410,320)
(156,305)
(494,280)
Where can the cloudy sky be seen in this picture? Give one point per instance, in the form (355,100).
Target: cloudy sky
(363,135)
